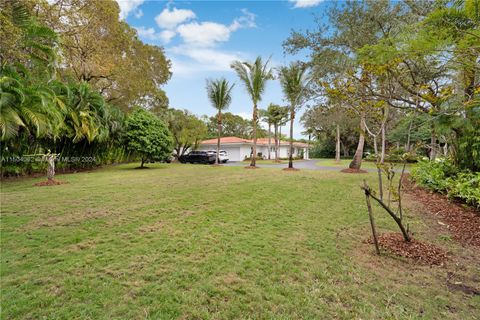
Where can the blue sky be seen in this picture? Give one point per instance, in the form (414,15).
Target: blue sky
(201,38)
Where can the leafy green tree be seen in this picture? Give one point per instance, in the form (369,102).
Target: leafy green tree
(147,136)
(219,93)
(332,122)
(254,77)
(187,130)
(233,125)
(294,81)
(277,116)
(104,51)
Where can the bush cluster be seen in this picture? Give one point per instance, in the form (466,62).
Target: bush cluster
(442,176)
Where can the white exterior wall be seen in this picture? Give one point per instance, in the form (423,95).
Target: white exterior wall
(238,152)
(245,151)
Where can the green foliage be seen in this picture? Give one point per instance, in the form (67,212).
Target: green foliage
(254,77)
(219,93)
(444,177)
(147,136)
(233,125)
(187,130)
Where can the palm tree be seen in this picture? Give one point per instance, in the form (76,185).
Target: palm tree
(254,77)
(294,81)
(220,95)
(267,118)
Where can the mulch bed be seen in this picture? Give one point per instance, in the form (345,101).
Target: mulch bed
(462,222)
(47,183)
(420,252)
(290,169)
(349,170)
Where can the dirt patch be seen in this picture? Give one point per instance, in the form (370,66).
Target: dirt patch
(228,279)
(349,170)
(290,169)
(463,288)
(65,220)
(462,222)
(47,183)
(420,252)
(156,226)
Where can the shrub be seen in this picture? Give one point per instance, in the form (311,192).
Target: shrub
(147,136)
(442,176)
(466,187)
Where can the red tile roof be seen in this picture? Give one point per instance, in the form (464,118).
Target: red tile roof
(227,140)
(260,141)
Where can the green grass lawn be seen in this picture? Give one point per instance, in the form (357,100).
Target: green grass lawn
(204,242)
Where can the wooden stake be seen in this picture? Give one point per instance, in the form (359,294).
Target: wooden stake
(370,215)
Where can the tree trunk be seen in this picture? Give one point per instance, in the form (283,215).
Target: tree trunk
(219,134)
(254,133)
(433,143)
(51,167)
(382,132)
(346,154)
(269,139)
(143,161)
(409,134)
(375,147)
(290,158)
(370,215)
(337,145)
(384,145)
(357,158)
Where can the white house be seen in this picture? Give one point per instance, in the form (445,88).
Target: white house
(239,149)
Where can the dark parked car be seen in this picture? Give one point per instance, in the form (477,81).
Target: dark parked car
(198,157)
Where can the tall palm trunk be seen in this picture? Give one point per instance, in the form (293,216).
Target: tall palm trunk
(357,158)
(254,132)
(290,158)
(269,139)
(275,127)
(337,146)
(219,134)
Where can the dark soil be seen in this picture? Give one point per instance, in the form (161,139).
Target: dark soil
(47,183)
(420,252)
(462,222)
(290,169)
(349,170)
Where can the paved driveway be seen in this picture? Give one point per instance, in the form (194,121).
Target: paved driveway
(303,164)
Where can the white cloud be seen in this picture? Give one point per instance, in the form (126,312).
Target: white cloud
(147,33)
(127,6)
(169,19)
(207,34)
(305,3)
(245,21)
(204,34)
(191,60)
(151,34)
(167,35)
(197,52)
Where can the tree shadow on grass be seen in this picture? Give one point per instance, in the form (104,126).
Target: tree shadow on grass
(160,166)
